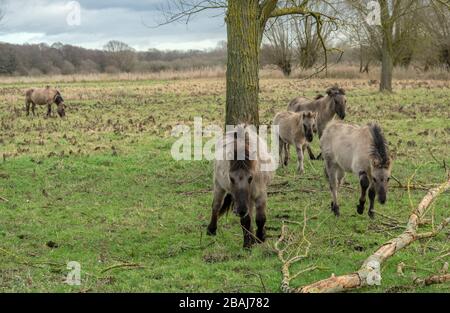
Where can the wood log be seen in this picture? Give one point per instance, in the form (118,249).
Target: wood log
(367,274)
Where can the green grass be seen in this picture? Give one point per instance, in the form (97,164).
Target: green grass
(103,187)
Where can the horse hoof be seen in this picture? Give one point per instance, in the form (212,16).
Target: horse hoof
(335,209)
(247,245)
(211,231)
(371,214)
(261,237)
(360,208)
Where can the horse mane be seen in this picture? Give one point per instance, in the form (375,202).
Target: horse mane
(379,145)
(58,98)
(246,164)
(319,96)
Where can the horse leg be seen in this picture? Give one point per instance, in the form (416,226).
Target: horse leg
(246,224)
(340,177)
(300,167)
(49,109)
(27,107)
(280,150)
(261,218)
(371,202)
(33,106)
(364,182)
(286,154)
(332,179)
(218,201)
(310,153)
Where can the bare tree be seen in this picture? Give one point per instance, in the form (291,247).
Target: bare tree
(435,36)
(246,21)
(310,36)
(280,47)
(395,40)
(123,55)
(358,37)
(297,40)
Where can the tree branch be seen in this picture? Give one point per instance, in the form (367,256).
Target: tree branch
(289,11)
(266,8)
(365,273)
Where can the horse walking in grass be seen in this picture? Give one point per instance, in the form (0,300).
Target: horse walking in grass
(240,181)
(361,150)
(334,103)
(44,96)
(295,129)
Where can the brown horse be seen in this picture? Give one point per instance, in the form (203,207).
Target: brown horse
(334,103)
(45,96)
(241,182)
(361,150)
(295,129)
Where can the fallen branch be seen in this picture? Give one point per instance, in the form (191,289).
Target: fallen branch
(434,279)
(403,186)
(191,192)
(433,233)
(4,199)
(121,265)
(367,274)
(283,191)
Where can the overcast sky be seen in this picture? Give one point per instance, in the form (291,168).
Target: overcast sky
(35,21)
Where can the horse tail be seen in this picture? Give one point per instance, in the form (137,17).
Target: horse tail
(227,203)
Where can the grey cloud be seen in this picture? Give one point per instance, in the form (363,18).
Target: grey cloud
(103,20)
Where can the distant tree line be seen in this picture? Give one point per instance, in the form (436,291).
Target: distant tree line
(418,36)
(115,57)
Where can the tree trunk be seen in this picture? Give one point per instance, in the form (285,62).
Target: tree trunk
(386,66)
(244,39)
(387,49)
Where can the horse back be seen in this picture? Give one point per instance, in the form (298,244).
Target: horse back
(345,144)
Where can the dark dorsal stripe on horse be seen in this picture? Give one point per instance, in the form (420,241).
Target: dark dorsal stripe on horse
(379,145)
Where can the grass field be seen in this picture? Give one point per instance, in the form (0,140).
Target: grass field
(100,188)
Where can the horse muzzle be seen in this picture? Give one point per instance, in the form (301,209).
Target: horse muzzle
(382,197)
(240,211)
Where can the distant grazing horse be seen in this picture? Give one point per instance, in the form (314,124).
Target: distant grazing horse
(240,181)
(361,150)
(45,96)
(334,103)
(295,129)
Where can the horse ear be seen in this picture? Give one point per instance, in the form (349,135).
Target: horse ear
(342,91)
(329,91)
(390,161)
(375,163)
